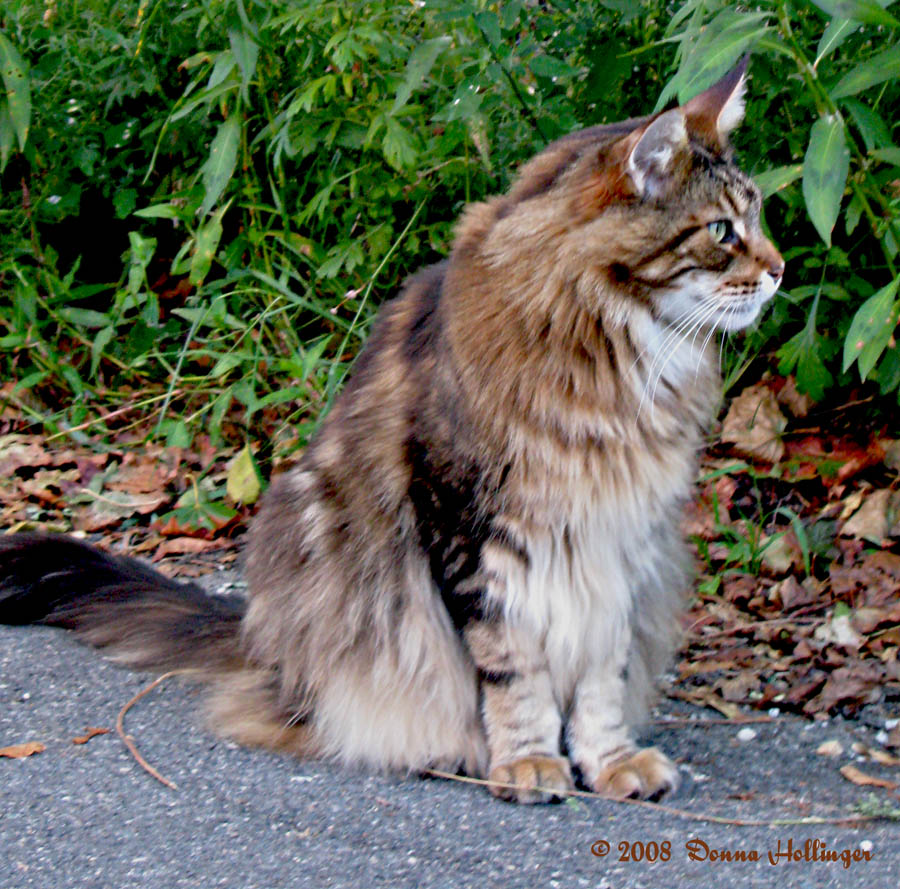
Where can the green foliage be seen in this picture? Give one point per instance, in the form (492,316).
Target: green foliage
(258,176)
(202,205)
(825,86)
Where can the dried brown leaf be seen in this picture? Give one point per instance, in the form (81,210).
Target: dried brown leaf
(852,773)
(90,733)
(754,424)
(19,751)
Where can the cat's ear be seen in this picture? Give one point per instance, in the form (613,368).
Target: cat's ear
(653,159)
(715,112)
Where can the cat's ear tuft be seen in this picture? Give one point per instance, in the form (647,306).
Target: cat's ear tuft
(654,156)
(715,112)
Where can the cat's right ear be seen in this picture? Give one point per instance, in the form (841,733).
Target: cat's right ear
(653,160)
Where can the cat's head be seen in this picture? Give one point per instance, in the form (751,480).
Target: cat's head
(658,208)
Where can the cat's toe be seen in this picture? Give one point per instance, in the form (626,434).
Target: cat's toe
(532,779)
(645,774)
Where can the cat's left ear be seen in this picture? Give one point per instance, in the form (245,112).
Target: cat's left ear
(715,112)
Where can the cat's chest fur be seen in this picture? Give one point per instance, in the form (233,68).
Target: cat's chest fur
(596,501)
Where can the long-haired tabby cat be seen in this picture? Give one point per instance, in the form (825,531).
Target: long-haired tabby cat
(477,563)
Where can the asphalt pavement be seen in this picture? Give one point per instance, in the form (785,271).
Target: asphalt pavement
(87,815)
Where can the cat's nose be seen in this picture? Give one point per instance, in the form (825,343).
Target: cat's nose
(776,270)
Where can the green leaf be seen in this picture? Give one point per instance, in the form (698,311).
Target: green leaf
(206,243)
(84,317)
(866,11)
(870,124)
(219,166)
(101,340)
(420,63)
(825,169)
(872,71)
(246,51)
(888,155)
(7,136)
(802,353)
(160,211)
(124,201)
(490,26)
(871,329)
(548,66)
(399,145)
(774,180)
(835,34)
(244,482)
(17,88)
(720,44)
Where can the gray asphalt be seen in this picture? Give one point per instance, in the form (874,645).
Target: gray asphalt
(89,816)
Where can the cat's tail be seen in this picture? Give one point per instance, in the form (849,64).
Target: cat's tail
(144,620)
(137,615)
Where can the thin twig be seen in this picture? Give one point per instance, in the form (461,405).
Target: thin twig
(657,807)
(129,743)
(713,720)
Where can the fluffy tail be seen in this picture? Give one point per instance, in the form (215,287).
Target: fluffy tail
(139,616)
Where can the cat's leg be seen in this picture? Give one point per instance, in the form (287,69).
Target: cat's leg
(600,742)
(521,716)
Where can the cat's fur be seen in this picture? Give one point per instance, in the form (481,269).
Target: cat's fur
(477,561)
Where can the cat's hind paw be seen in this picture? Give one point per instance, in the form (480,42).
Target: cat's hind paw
(531,779)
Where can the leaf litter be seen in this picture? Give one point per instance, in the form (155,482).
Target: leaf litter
(796,528)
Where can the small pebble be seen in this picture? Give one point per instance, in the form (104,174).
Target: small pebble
(891,724)
(830,748)
(774,711)
(746,734)
(881,737)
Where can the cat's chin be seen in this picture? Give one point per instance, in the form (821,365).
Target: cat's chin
(733,319)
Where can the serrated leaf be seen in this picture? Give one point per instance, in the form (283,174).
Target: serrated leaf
(825,169)
(490,26)
(869,122)
(17,88)
(220,165)
(398,146)
(866,11)
(548,66)
(772,181)
(871,329)
(243,483)
(871,72)
(418,67)
(802,354)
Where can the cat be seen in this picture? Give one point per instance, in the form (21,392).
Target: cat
(476,563)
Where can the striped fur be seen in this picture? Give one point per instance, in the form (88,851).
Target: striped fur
(476,563)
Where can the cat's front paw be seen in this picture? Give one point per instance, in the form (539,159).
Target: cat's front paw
(643,774)
(535,779)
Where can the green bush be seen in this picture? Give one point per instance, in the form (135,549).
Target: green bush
(203,204)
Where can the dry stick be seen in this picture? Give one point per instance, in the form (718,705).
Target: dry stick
(657,807)
(129,743)
(713,720)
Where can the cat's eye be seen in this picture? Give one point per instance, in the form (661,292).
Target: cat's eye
(722,231)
